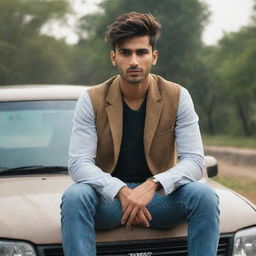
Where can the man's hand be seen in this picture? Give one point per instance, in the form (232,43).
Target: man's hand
(141,218)
(134,202)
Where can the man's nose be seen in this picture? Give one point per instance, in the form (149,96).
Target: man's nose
(134,60)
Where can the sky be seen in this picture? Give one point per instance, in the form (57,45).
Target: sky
(226,16)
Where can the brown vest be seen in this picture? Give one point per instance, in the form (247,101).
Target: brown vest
(159,140)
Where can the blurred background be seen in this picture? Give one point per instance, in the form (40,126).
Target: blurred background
(208,46)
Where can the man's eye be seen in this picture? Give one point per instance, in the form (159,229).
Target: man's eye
(142,52)
(125,53)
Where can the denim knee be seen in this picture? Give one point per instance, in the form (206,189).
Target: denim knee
(79,195)
(201,195)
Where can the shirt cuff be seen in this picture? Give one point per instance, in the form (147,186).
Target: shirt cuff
(110,191)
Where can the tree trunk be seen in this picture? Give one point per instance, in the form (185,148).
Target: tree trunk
(208,107)
(243,117)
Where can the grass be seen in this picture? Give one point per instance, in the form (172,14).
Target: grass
(231,141)
(245,187)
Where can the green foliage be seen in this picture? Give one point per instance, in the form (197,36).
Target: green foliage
(206,89)
(26,55)
(238,74)
(224,87)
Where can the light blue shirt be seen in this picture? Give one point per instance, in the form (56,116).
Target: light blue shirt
(83,148)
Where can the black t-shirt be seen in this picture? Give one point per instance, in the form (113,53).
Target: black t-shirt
(131,165)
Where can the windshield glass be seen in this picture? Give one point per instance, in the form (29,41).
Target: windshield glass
(35,133)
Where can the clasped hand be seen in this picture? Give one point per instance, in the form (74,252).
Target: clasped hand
(134,202)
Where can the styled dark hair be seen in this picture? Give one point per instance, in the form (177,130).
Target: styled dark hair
(133,24)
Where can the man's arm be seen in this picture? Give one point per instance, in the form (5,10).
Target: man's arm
(82,152)
(189,148)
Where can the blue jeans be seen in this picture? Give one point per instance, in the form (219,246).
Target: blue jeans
(83,210)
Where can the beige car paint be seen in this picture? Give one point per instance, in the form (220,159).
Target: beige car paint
(30,210)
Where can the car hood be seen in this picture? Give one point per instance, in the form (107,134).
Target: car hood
(30,210)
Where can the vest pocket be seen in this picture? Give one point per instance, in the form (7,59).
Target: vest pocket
(158,133)
(162,150)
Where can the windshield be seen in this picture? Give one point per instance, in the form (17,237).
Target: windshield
(35,133)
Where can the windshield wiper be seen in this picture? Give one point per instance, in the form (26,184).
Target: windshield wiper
(35,169)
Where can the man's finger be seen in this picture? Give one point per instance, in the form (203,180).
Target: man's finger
(131,217)
(142,219)
(147,214)
(126,215)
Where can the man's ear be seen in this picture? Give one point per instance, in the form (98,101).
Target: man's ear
(155,56)
(112,55)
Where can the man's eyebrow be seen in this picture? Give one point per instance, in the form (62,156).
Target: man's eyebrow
(139,49)
(123,49)
(142,49)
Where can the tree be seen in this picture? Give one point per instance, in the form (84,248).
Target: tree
(237,71)
(207,90)
(26,55)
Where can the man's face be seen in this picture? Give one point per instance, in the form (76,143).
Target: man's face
(134,58)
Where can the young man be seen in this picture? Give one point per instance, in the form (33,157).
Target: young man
(122,151)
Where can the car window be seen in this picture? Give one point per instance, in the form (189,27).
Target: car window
(35,132)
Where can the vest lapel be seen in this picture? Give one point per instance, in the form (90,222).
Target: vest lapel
(115,116)
(153,112)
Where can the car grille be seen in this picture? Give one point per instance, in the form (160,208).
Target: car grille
(161,247)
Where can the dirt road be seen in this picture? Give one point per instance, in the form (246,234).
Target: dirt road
(237,168)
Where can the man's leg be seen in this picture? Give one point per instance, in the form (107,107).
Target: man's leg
(82,209)
(196,204)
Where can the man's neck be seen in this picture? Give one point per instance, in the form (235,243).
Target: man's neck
(134,92)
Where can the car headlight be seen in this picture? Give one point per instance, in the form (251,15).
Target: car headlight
(12,248)
(245,242)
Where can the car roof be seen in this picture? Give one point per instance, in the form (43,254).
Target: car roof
(40,92)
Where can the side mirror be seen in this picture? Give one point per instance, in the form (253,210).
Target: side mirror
(211,166)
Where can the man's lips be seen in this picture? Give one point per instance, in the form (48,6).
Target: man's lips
(134,71)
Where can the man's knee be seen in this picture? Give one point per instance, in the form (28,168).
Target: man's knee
(78,194)
(202,195)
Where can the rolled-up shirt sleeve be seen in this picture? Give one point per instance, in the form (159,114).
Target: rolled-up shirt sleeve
(189,148)
(82,152)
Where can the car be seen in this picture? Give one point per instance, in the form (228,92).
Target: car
(35,128)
